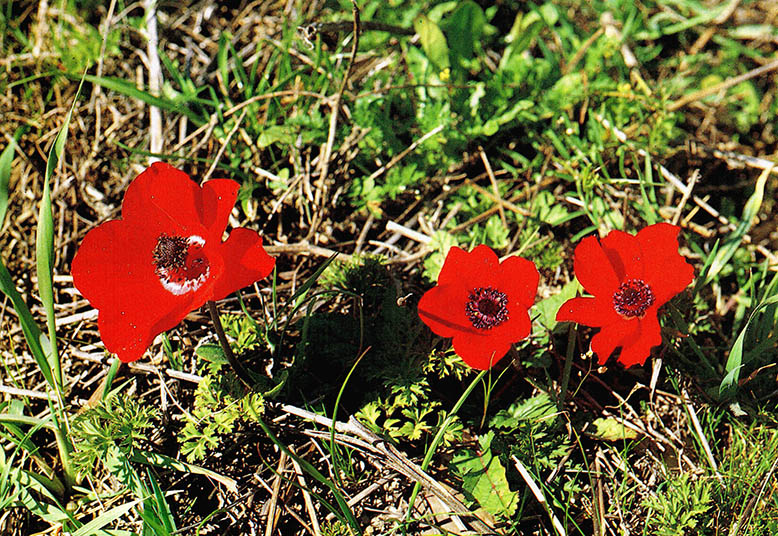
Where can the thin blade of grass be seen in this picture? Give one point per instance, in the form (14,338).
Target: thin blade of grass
(44,243)
(128,88)
(160,460)
(299,296)
(95,526)
(161,507)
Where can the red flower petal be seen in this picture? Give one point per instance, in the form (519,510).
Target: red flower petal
(666,271)
(609,337)
(595,312)
(114,271)
(163,197)
(217,200)
(461,267)
(624,254)
(484,349)
(444,308)
(115,255)
(118,267)
(636,350)
(519,279)
(651,257)
(593,268)
(246,259)
(479,351)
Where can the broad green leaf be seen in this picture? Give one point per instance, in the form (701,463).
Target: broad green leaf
(432,41)
(6,159)
(611,429)
(212,353)
(536,409)
(733,241)
(483,477)
(283,134)
(548,307)
(464,28)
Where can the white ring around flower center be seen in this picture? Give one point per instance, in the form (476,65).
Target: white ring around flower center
(176,282)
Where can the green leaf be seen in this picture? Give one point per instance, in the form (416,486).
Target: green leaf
(94,527)
(539,408)
(283,134)
(44,244)
(484,479)
(128,88)
(36,340)
(299,296)
(441,243)
(733,241)
(212,353)
(433,42)
(464,29)
(611,429)
(166,462)
(735,359)
(526,27)
(6,159)
(548,307)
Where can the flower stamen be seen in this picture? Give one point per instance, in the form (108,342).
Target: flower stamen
(632,298)
(180,264)
(486,307)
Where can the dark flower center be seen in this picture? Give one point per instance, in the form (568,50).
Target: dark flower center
(180,263)
(486,307)
(632,298)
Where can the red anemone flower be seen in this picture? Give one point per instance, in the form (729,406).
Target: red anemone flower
(164,258)
(629,278)
(482,303)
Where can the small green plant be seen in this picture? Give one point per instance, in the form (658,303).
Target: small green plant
(118,421)
(682,508)
(408,412)
(484,479)
(335,528)
(220,405)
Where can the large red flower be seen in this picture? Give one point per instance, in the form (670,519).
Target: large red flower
(482,303)
(164,258)
(629,278)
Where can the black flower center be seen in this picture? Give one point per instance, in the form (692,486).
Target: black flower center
(632,298)
(486,307)
(180,263)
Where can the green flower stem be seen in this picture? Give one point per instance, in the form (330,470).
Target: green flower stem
(65,448)
(571,338)
(240,370)
(438,439)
